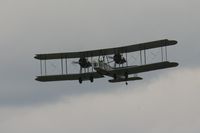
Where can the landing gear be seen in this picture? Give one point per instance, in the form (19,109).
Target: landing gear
(91,79)
(126,77)
(80,80)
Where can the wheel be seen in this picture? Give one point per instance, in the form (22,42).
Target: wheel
(80,80)
(91,79)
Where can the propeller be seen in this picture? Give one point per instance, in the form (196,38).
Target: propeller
(83,62)
(118,55)
(75,62)
(119,59)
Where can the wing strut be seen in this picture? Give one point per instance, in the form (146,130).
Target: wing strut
(140,57)
(145,57)
(162,56)
(66,65)
(41,67)
(62,66)
(45,67)
(166,52)
(126,60)
(92,64)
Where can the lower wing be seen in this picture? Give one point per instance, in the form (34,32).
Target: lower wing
(83,76)
(143,68)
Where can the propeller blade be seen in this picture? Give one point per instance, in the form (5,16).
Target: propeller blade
(75,62)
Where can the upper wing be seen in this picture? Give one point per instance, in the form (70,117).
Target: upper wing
(143,68)
(83,76)
(108,51)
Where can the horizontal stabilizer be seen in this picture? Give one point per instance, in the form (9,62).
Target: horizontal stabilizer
(123,80)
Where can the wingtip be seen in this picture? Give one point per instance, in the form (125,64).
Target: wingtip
(176,64)
(173,42)
(37,57)
(37,78)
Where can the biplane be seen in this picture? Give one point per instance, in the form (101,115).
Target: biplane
(111,62)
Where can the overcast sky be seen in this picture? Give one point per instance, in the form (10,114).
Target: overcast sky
(165,101)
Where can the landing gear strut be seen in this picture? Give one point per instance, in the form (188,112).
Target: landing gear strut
(126,77)
(91,79)
(80,80)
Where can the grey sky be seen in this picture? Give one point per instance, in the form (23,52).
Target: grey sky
(29,27)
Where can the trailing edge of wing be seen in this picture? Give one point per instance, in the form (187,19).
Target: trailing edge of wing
(108,51)
(84,76)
